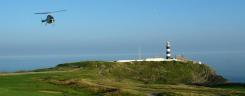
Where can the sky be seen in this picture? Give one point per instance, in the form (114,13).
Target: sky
(121,26)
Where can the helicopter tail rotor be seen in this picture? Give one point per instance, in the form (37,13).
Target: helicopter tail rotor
(42,20)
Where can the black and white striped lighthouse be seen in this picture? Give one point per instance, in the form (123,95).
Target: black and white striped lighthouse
(168,50)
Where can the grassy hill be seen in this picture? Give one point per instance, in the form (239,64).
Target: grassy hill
(148,72)
(98,78)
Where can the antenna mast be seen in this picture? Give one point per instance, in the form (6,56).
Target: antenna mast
(139,53)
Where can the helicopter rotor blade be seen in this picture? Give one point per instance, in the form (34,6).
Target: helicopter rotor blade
(58,11)
(43,13)
(50,12)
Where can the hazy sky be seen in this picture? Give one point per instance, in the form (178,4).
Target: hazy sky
(121,26)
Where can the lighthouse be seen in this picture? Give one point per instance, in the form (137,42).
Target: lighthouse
(168,50)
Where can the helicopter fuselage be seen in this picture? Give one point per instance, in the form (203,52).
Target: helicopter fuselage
(49,19)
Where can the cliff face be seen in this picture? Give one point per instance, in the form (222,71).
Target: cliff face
(148,72)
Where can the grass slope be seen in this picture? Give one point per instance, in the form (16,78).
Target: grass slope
(97,78)
(30,85)
(149,72)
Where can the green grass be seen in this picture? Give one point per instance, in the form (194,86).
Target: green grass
(231,87)
(117,79)
(148,72)
(29,85)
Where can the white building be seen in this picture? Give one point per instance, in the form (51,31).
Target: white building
(128,60)
(155,59)
(160,59)
(148,60)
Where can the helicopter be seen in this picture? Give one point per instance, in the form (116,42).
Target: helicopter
(49,19)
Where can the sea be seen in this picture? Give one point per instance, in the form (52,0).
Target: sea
(231,65)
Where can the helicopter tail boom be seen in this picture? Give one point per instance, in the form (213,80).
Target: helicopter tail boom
(43,21)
